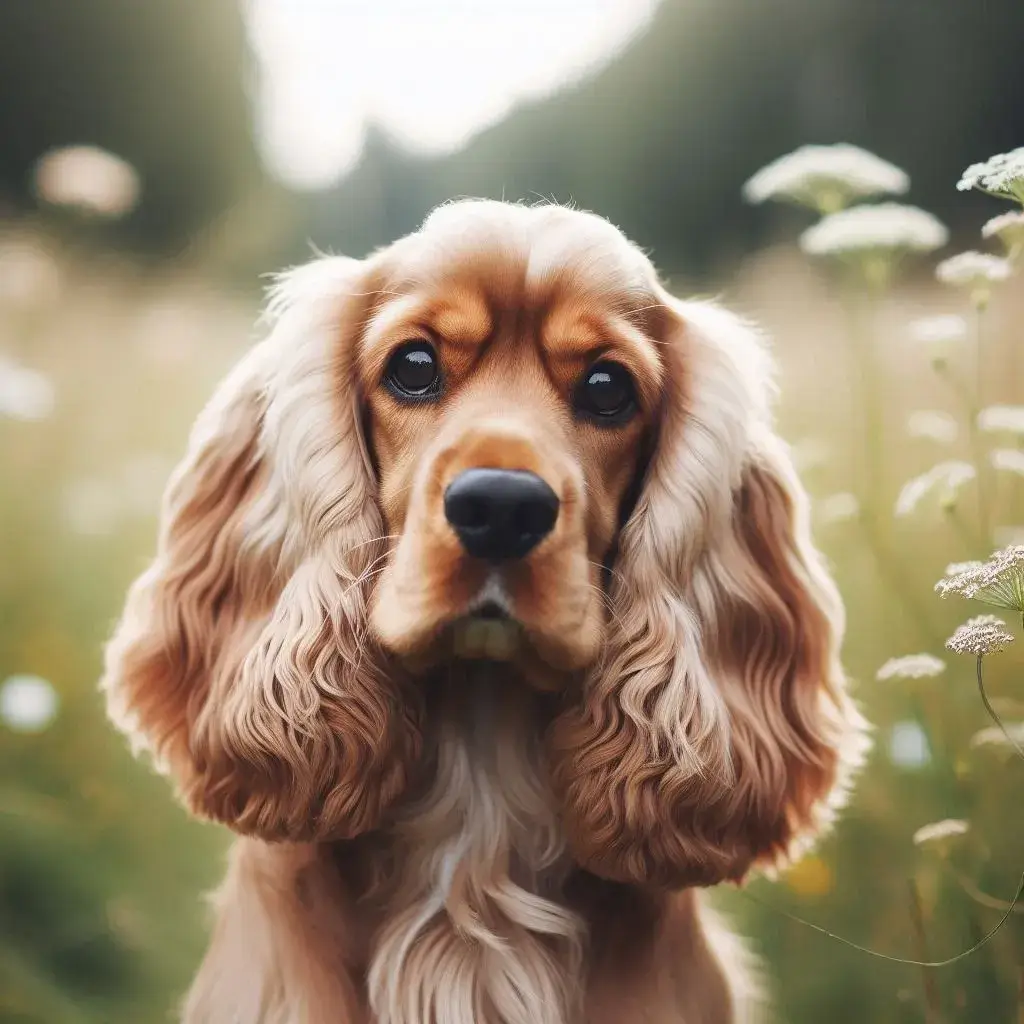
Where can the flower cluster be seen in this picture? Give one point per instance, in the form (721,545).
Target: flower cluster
(984,634)
(1009,229)
(940,830)
(939,330)
(993,736)
(911,666)
(945,477)
(27,703)
(970,269)
(997,419)
(1001,175)
(933,424)
(825,178)
(998,582)
(839,508)
(886,227)
(1009,460)
(976,271)
(25,394)
(88,179)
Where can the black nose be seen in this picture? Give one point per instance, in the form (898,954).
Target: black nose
(500,514)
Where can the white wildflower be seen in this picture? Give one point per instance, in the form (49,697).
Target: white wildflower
(24,394)
(975,270)
(996,419)
(88,179)
(984,634)
(27,703)
(969,268)
(839,508)
(825,178)
(1010,460)
(911,666)
(934,425)
(1009,229)
(956,568)
(993,736)
(946,477)
(940,329)
(940,830)
(1001,175)
(998,582)
(886,227)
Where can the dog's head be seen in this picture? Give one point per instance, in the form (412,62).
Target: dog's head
(511,378)
(501,439)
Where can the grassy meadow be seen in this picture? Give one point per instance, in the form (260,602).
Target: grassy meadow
(101,918)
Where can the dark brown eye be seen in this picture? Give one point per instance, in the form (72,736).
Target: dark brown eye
(413,372)
(606,393)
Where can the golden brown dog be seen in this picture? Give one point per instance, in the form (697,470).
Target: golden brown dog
(485,611)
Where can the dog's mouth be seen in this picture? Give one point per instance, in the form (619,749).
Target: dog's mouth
(488,629)
(488,632)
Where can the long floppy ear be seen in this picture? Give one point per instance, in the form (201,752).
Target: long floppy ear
(241,661)
(716,734)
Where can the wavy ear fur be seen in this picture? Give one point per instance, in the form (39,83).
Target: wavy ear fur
(717,733)
(241,660)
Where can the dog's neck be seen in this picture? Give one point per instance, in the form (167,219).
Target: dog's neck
(474,919)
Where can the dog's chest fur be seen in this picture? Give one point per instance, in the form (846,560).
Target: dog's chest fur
(474,929)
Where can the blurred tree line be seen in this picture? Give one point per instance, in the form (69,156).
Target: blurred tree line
(659,140)
(161,83)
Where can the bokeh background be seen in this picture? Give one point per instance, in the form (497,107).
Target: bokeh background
(225,140)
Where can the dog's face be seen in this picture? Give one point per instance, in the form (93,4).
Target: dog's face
(510,382)
(498,438)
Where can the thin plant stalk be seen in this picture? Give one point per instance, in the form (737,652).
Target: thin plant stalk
(980,896)
(993,714)
(932,1004)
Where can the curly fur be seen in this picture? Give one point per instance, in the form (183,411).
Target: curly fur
(430,841)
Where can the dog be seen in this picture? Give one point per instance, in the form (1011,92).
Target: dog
(485,611)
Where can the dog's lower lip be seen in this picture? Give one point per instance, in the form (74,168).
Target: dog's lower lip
(480,637)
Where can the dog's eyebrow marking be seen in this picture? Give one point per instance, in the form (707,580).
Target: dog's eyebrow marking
(568,336)
(464,319)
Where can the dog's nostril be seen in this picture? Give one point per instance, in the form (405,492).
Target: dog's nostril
(500,514)
(535,518)
(468,512)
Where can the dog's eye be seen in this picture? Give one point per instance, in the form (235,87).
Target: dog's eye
(413,372)
(606,393)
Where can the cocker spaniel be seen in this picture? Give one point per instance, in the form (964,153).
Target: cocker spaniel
(485,611)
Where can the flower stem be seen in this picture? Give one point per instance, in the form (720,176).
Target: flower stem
(970,887)
(993,714)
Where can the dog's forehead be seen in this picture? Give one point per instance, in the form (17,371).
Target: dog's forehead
(523,255)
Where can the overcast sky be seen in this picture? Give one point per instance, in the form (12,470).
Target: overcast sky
(431,72)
